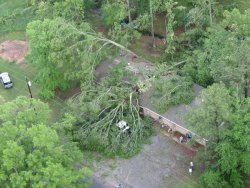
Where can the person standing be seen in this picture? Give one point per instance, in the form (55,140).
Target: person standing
(190,171)
(192,165)
(181,139)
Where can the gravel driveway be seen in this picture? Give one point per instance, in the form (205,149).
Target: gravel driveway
(161,164)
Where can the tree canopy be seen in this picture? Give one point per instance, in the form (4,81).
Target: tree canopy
(31,152)
(225,125)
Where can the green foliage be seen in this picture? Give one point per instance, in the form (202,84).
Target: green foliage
(170,49)
(223,59)
(225,56)
(226,126)
(211,179)
(33,157)
(48,76)
(114,12)
(197,67)
(62,53)
(31,153)
(233,152)
(237,22)
(72,10)
(171,91)
(215,113)
(98,112)
(26,111)
(198,15)
(124,35)
(119,76)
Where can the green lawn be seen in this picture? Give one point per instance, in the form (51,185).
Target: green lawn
(16,15)
(17,74)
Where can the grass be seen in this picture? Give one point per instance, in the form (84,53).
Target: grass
(187,182)
(17,15)
(16,35)
(17,74)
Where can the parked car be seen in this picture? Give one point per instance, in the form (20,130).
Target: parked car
(5,80)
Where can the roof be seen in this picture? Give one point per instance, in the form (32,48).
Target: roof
(5,77)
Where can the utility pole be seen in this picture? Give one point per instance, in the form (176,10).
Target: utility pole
(31,97)
(29,85)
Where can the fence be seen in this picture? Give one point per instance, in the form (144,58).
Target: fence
(172,125)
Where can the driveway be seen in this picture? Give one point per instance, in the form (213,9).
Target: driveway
(161,164)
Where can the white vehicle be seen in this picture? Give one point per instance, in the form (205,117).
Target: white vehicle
(5,80)
(123,125)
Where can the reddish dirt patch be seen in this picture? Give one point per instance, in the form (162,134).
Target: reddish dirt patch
(13,50)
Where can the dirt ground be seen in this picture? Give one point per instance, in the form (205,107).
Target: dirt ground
(161,164)
(14,50)
(136,65)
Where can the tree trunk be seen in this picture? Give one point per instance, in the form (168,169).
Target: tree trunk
(152,22)
(129,13)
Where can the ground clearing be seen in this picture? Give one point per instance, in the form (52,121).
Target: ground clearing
(13,50)
(162,164)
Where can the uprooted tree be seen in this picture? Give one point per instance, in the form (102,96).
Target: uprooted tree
(99,112)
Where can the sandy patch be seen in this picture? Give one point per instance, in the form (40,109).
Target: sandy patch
(14,50)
